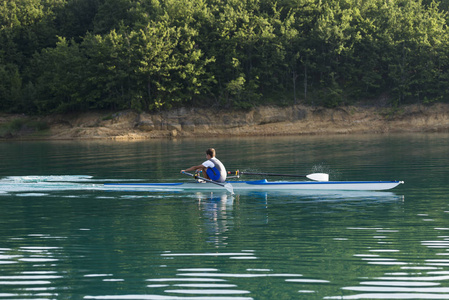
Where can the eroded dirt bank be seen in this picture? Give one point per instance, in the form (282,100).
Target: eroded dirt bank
(295,120)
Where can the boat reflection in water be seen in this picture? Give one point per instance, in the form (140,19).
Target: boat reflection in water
(300,195)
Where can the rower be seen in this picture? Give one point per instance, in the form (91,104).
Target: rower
(212,168)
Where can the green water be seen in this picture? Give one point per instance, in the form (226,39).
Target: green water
(64,236)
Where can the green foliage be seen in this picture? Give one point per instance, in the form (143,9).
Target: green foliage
(73,55)
(16,126)
(332,94)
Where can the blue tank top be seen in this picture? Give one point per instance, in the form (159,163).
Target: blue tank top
(218,172)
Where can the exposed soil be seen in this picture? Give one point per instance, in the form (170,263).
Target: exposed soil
(262,121)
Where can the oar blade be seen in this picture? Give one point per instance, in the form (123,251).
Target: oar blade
(318,176)
(229,188)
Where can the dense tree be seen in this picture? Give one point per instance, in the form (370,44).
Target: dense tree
(72,55)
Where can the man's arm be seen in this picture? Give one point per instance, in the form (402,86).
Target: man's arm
(194,168)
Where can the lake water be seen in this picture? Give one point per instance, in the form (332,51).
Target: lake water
(64,236)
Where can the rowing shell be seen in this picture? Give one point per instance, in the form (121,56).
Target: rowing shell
(264,185)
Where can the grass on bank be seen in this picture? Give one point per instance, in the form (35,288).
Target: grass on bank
(18,127)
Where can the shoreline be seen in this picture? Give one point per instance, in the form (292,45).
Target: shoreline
(260,121)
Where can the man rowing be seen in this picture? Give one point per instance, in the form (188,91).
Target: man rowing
(212,168)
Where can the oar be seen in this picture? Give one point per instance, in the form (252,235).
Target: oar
(227,185)
(313,176)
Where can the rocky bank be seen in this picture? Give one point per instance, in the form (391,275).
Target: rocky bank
(261,121)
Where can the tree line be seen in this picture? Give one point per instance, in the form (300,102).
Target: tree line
(76,55)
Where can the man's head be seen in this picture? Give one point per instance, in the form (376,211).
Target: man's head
(210,152)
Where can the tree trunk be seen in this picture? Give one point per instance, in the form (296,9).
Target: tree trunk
(305,82)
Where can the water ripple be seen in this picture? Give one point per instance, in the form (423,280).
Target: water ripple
(157,297)
(208,291)
(391,296)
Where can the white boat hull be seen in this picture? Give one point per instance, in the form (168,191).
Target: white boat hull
(264,185)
